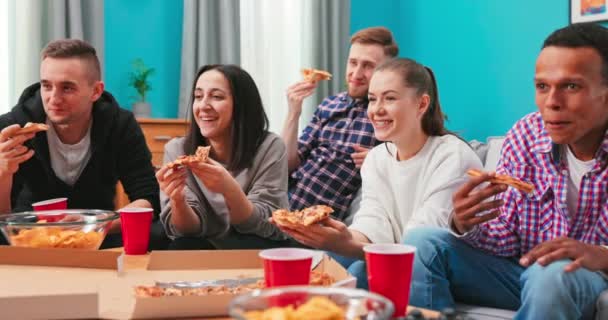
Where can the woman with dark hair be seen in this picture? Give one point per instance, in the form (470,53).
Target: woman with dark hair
(408,181)
(225,202)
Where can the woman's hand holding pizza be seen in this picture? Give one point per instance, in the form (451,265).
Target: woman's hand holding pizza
(172,181)
(213,175)
(328,234)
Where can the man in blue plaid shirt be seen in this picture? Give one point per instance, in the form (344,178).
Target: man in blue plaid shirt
(324,162)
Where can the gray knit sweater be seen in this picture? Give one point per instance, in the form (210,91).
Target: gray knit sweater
(264,183)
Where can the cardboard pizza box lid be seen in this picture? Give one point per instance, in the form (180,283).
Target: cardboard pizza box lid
(71,258)
(204,260)
(52,283)
(74,305)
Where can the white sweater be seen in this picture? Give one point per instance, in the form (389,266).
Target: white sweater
(400,195)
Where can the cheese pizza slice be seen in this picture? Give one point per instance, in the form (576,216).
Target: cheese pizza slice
(314,75)
(201,155)
(304,217)
(505,179)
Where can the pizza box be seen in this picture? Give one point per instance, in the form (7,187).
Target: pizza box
(220,264)
(52,283)
(81,284)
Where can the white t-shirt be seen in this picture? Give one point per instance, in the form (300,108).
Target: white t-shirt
(400,195)
(68,160)
(576,170)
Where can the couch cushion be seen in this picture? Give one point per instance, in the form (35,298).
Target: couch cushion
(493,154)
(602,306)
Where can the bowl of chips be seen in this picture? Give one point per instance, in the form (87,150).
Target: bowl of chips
(307,302)
(76,229)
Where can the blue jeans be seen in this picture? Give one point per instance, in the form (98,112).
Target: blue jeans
(355,267)
(446,269)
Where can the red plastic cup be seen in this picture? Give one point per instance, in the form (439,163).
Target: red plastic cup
(286,266)
(389,272)
(51,204)
(135,226)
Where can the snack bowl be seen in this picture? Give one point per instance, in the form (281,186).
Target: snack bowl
(285,303)
(75,228)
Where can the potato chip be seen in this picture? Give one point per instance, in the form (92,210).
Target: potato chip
(56,237)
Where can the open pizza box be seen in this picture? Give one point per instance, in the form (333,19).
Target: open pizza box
(52,283)
(81,284)
(199,265)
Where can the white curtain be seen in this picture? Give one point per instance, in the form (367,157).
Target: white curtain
(279,38)
(275,42)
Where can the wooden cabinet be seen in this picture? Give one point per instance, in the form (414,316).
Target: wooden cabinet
(157,132)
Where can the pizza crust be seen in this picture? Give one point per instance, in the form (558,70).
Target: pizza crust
(30,127)
(505,179)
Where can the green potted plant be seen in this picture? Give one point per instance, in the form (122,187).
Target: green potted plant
(139,80)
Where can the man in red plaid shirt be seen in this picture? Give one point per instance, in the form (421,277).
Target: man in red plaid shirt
(542,253)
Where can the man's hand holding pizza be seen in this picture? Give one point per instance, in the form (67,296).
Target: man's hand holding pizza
(12,151)
(469,201)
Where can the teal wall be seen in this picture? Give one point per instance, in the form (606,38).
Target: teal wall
(483,52)
(151,30)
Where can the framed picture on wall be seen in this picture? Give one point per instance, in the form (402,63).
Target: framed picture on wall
(588,11)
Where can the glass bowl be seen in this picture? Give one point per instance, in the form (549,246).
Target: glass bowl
(77,229)
(357,304)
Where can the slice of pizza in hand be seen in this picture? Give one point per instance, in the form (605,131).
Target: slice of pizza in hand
(179,162)
(201,155)
(305,217)
(32,127)
(29,127)
(505,179)
(314,75)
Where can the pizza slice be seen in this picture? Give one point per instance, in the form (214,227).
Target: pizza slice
(314,75)
(29,127)
(305,217)
(505,179)
(32,127)
(201,155)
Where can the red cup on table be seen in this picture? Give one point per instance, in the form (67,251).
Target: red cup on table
(389,272)
(51,204)
(287,267)
(135,226)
